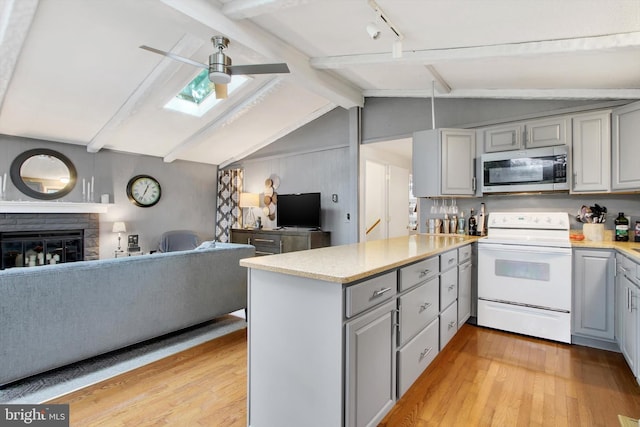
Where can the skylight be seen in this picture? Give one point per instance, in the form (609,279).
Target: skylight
(198,96)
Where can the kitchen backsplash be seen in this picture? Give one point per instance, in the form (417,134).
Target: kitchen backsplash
(559,202)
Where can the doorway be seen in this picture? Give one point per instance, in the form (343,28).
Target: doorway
(387,207)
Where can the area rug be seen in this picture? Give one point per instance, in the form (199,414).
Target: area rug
(58,382)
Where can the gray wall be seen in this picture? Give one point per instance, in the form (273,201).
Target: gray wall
(392,118)
(315,158)
(188,191)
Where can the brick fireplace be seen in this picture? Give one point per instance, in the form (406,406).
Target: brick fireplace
(88,223)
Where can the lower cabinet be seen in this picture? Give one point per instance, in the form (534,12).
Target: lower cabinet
(448,324)
(464,292)
(371,380)
(416,355)
(627,305)
(593,293)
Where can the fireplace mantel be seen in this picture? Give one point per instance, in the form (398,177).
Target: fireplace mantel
(52,207)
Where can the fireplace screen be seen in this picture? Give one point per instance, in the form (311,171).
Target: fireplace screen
(31,249)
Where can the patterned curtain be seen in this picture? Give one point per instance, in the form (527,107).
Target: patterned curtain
(229,189)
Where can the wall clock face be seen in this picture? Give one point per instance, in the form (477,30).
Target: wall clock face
(143,191)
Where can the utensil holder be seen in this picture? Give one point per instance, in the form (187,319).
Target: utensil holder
(593,232)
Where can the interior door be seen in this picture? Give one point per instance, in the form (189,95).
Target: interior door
(398,206)
(375,213)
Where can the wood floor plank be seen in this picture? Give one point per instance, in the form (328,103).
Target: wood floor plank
(482,378)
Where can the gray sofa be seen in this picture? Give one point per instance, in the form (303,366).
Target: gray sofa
(59,314)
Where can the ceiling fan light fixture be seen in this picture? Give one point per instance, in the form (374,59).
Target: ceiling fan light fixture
(219,77)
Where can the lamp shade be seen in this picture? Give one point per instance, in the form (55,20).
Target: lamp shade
(119,227)
(249,200)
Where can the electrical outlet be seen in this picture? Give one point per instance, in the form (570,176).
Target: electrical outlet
(334,198)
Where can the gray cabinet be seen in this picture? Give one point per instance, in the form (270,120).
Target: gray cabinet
(503,138)
(547,132)
(625,123)
(530,134)
(370,358)
(593,293)
(627,305)
(464,292)
(444,163)
(269,242)
(591,152)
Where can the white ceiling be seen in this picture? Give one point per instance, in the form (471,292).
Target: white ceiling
(71,70)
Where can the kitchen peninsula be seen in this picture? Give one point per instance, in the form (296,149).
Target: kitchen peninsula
(337,334)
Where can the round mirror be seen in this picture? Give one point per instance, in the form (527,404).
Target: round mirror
(43,174)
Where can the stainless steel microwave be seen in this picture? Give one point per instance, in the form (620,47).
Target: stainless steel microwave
(538,169)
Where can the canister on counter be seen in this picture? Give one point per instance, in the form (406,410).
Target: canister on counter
(636,232)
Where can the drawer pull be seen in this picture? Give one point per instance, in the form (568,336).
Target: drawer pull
(451,260)
(424,353)
(450,288)
(265,253)
(451,324)
(264,240)
(424,306)
(424,273)
(381,292)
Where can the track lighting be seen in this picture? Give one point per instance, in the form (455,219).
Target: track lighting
(373,30)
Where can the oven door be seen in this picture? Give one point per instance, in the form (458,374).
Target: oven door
(532,276)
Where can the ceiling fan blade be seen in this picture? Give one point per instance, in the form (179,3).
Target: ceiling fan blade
(259,69)
(175,57)
(221,91)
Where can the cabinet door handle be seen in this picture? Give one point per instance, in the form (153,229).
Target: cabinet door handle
(248,240)
(265,253)
(265,240)
(424,306)
(423,273)
(424,353)
(451,324)
(473,183)
(380,292)
(450,288)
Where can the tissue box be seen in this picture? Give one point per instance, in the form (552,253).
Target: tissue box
(593,232)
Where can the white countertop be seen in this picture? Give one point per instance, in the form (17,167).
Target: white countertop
(348,263)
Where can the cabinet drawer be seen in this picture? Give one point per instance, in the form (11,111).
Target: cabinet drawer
(464,253)
(418,307)
(266,244)
(448,288)
(418,272)
(372,292)
(448,260)
(414,357)
(448,324)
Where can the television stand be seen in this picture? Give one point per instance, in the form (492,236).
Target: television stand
(270,242)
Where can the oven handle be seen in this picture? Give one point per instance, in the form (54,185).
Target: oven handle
(494,247)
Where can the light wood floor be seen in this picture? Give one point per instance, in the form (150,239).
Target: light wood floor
(483,377)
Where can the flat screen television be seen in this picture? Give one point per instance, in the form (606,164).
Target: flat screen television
(298,210)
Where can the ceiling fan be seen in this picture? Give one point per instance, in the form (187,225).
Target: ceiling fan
(220,68)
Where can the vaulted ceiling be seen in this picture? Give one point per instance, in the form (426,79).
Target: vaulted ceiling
(72,70)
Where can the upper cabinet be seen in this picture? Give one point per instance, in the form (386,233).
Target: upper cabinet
(530,134)
(591,152)
(503,138)
(444,163)
(546,132)
(625,172)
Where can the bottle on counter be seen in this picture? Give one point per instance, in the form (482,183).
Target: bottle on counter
(473,224)
(445,224)
(461,223)
(453,224)
(622,228)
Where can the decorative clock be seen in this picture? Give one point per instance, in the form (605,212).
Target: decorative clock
(144,191)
